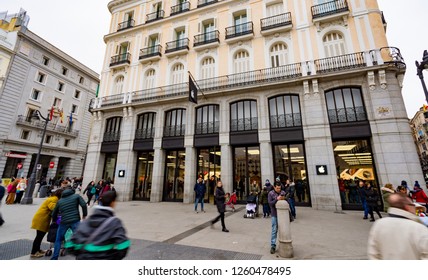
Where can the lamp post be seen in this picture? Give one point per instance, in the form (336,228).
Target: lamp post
(28,195)
(420,67)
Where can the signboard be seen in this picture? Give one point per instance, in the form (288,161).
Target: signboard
(13,155)
(39,166)
(51,164)
(19,165)
(121,173)
(321,170)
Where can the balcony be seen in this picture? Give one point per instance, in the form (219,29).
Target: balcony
(212,127)
(330,11)
(111,136)
(340,63)
(155,16)
(239,32)
(206,40)
(55,128)
(274,24)
(180,8)
(152,53)
(177,47)
(345,115)
(203,3)
(125,25)
(145,133)
(120,60)
(174,130)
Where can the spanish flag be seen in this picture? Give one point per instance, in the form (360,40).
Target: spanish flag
(51,112)
(61,115)
(425,107)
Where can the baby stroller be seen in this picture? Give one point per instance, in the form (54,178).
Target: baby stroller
(252,206)
(231,201)
(53,229)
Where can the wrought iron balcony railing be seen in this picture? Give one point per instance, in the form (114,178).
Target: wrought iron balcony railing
(111,136)
(180,8)
(202,3)
(286,120)
(341,62)
(207,128)
(155,16)
(150,51)
(206,38)
(62,129)
(124,58)
(329,8)
(344,115)
(244,124)
(275,21)
(126,24)
(174,130)
(239,30)
(177,45)
(145,133)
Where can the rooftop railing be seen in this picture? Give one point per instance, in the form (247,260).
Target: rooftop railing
(329,8)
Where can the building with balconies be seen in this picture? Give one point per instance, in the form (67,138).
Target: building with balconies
(303,90)
(41,77)
(419,127)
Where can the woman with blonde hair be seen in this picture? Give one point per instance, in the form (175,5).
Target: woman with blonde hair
(387,190)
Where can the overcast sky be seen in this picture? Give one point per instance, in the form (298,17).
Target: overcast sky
(77,27)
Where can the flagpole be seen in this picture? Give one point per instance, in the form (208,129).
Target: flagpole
(193,78)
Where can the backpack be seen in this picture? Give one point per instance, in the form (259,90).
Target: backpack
(93,190)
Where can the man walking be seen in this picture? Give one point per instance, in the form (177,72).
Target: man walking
(200,190)
(401,236)
(68,208)
(2,192)
(273,197)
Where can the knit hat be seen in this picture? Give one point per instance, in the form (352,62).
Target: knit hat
(267,180)
(417,184)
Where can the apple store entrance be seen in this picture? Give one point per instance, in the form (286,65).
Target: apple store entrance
(354,162)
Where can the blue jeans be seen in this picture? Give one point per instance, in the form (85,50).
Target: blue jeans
(365,207)
(266,209)
(291,202)
(201,199)
(62,229)
(274,232)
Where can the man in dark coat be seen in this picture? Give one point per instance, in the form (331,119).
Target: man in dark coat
(2,192)
(200,190)
(68,207)
(110,242)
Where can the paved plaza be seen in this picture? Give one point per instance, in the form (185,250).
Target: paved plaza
(173,231)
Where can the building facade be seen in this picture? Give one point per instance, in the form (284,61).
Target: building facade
(419,127)
(302,90)
(37,76)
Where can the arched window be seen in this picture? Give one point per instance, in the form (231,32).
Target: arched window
(118,85)
(175,123)
(345,105)
(208,68)
(177,74)
(150,78)
(207,119)
(334,44)
(284,111)
(146,126)
(112,129)
(241,62)
(278,55)
(243,116)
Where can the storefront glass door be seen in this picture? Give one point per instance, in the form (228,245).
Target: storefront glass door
(247,171)
(143,180)
(210,169)
(174,175)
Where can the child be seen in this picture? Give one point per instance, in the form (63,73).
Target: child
(231,200)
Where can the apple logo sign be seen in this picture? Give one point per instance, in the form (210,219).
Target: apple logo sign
(321,169)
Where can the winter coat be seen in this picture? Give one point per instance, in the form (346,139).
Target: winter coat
(371,196)
(272,200)
(200,190)
(42,218)
(68,207)
(11,188)
(402,237)
(385,195)
(2,192)
(110,244)
(264,197)
(220,199)
(420,196)
(88,190)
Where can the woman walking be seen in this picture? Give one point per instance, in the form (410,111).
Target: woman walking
(220,198)
(90,191)
(11,191)
(41,222)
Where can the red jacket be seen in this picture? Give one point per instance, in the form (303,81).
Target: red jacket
(420,196)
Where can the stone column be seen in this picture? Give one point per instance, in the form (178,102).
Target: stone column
(266,161)
(25,170)
(158,175)
(285,246)
(190,174)
(227,167)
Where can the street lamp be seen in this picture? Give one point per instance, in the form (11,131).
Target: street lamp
(420,67)
(28,195)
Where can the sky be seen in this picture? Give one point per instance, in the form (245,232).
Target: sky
(77,27)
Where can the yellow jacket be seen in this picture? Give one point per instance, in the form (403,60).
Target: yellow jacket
(42,218)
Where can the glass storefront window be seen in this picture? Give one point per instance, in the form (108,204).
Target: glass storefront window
(109,166)
(174,175)
(143,181)
(209,168)
(247,171)
(289,161)
(354,162)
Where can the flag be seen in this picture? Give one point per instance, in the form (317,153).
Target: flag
(193,91)
(51,112)
(425,108)
(61,115)
(70,120)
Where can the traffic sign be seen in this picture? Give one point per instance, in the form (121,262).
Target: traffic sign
(19,165)
(51,164)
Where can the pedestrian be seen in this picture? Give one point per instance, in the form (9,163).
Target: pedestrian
(387,190)
(268,185)
(90,191)
(273,197)
(20,189)
(2,192)
(98,188)
(290,191)
(401,236)
(11,191)
(200,190)
(41,222)
(264,202)
(418,195)
(362,194)
(68,207)
(220,199)
(102,235)
(372,199)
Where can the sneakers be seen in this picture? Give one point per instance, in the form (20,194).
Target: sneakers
(365,218)
(37,255)
(196,212)
(272,250)
(372,220)
(42,251)
(225,230)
